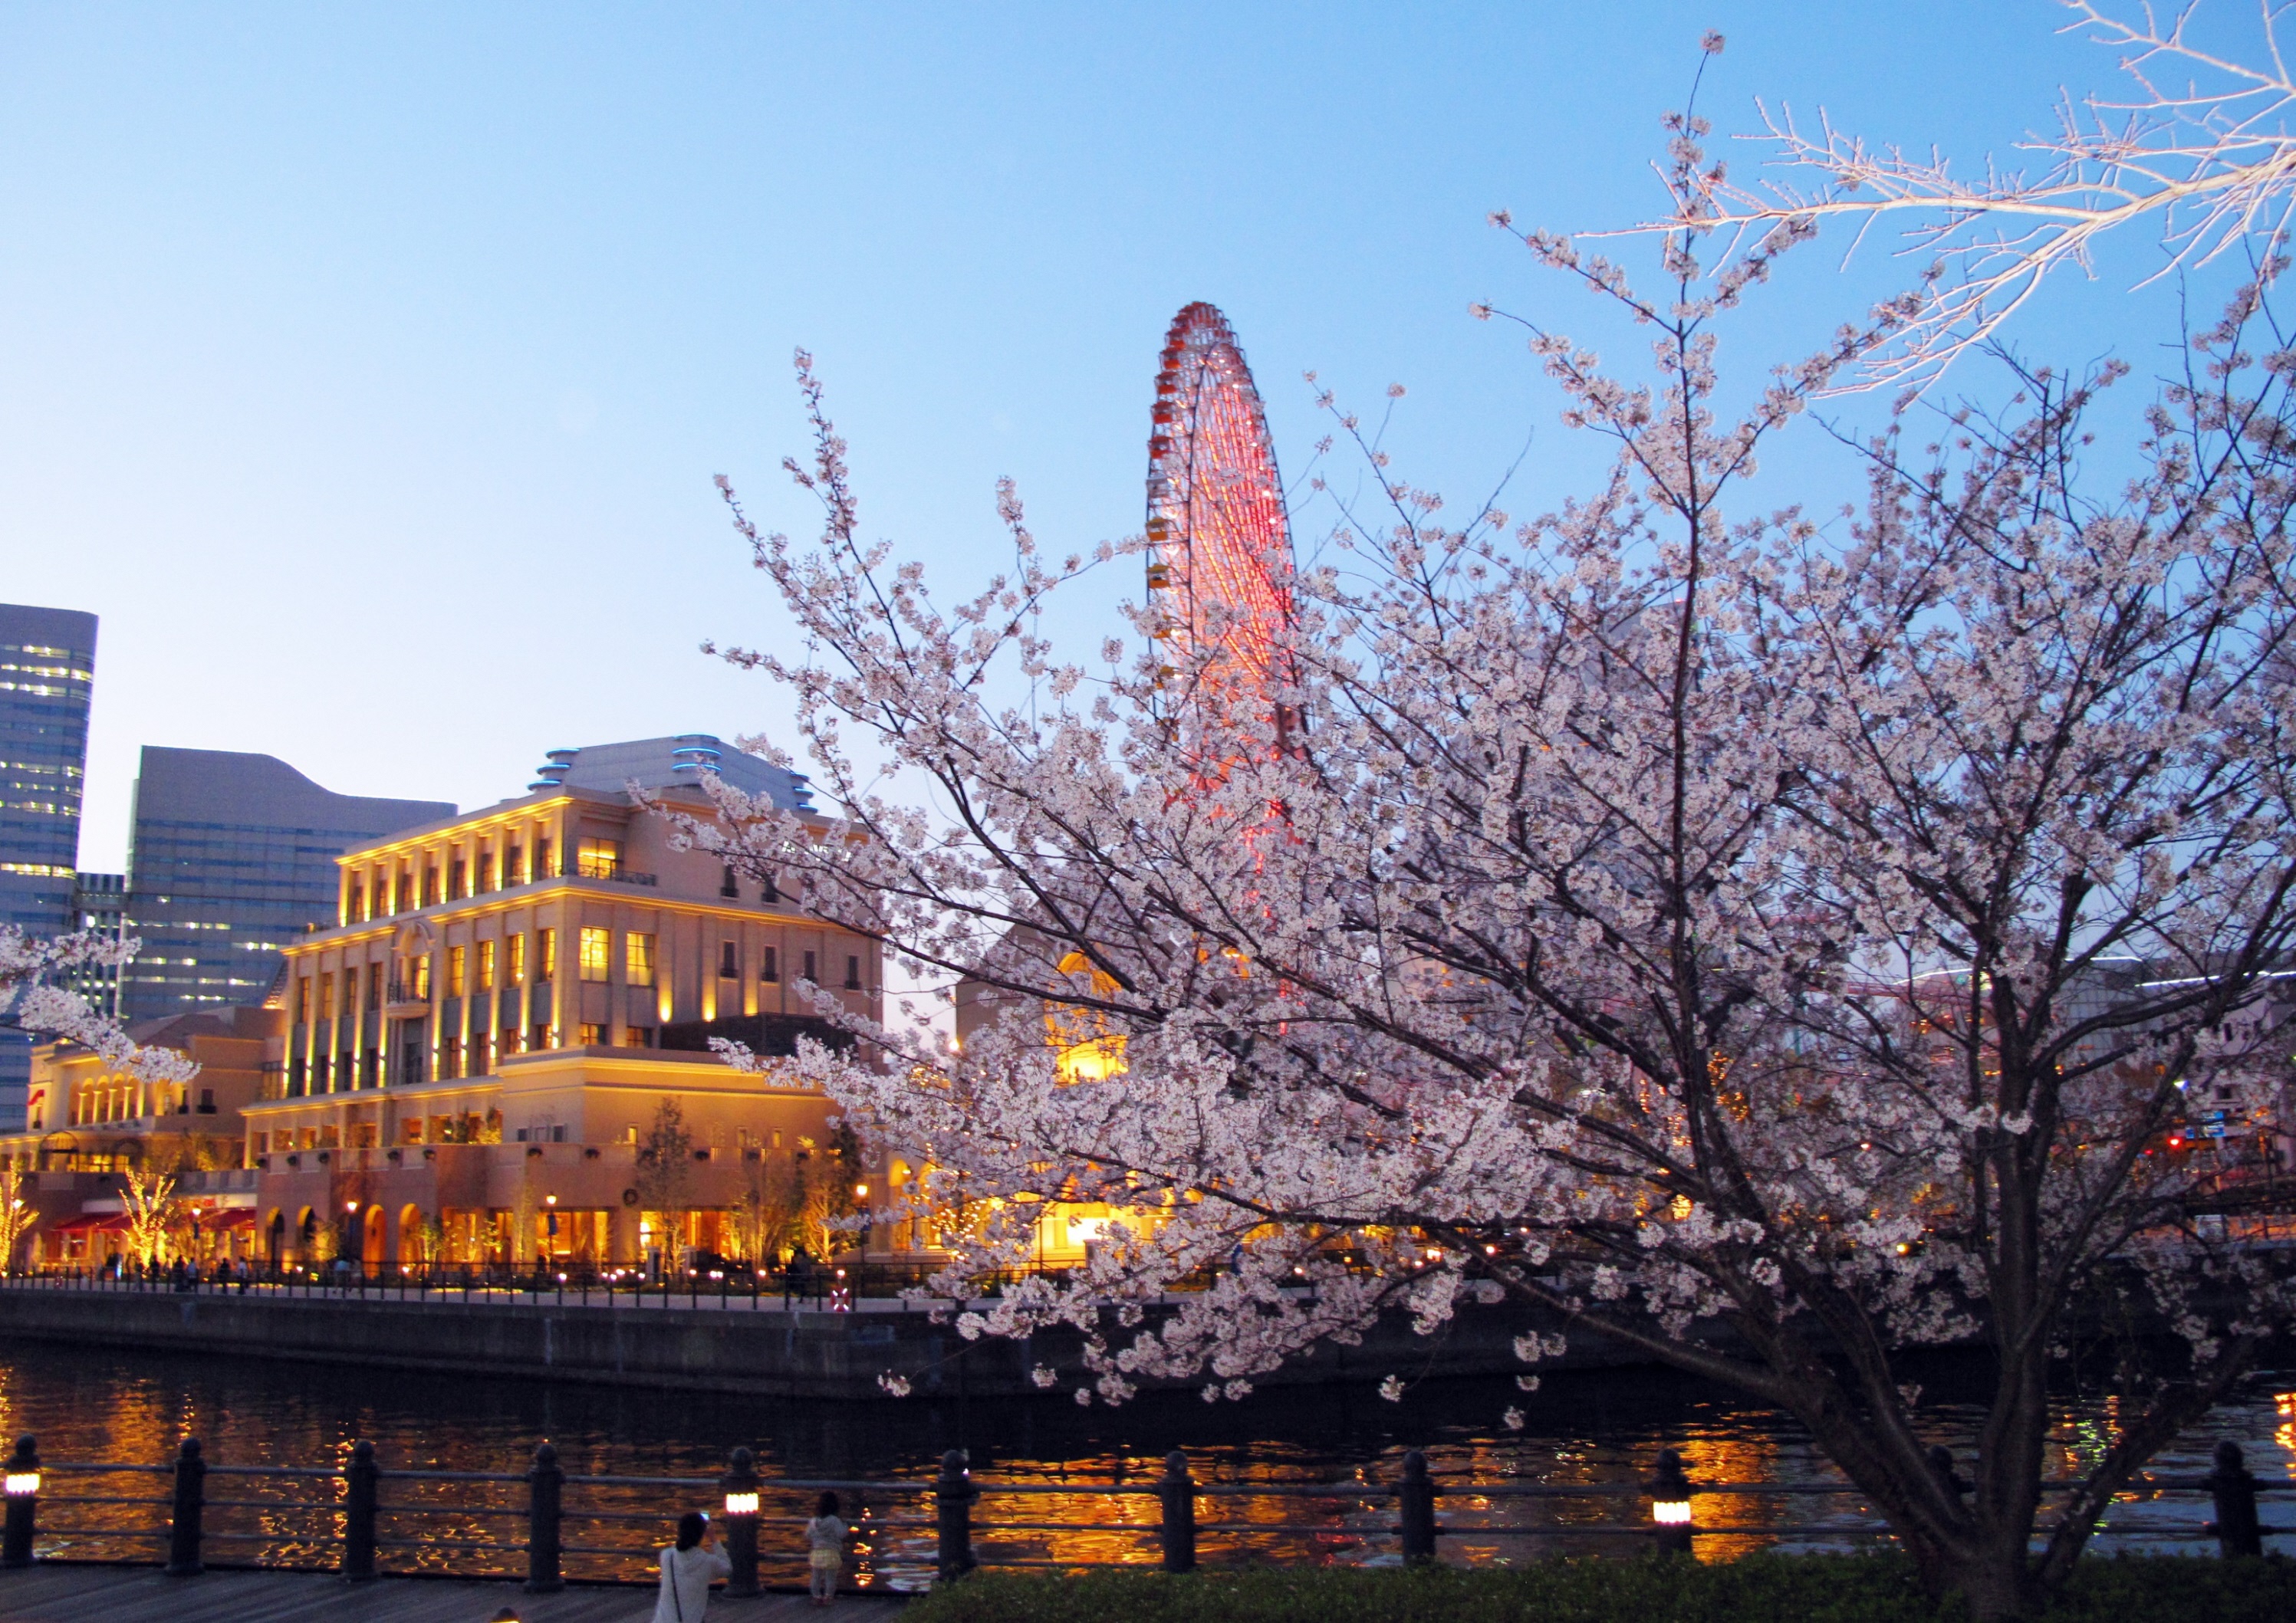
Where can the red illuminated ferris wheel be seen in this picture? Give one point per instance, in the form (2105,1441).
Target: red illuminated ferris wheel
(1219,560)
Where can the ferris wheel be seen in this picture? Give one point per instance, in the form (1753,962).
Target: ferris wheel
(1220,559)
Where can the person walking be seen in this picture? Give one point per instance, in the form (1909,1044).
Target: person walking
(825,1537)
(688,1568)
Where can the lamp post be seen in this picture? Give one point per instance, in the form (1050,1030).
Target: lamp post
(1669,1492)
(740,1485)
(23,1492)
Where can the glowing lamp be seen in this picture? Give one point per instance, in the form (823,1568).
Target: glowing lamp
(1672,1512)
(23,1484)
(1670,1491)
(741,1504)
(861,1189)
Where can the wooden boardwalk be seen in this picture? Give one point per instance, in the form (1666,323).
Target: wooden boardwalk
(58,1593)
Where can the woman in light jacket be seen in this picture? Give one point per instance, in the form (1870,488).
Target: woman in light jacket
(688,1568)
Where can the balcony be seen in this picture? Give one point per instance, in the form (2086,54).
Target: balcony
(592,868)
(407,1002)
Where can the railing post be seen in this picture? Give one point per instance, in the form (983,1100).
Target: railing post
(23,1504)
(741,1524)
(360,1478)
(1669,1492)
(2233,1486)
(1416,1493)
(1178,1494)
(953,1496)
(546,1485)
(183,1522)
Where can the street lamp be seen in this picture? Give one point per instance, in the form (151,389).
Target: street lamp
(22,1488)
(740,1485)
(1669,1492)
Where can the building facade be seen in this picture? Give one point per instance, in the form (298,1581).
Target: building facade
(89,1123)
(232,856)
(47,680)
(479,1052)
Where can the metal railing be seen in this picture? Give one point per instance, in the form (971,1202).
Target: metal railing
(358,1518)
(833,1287)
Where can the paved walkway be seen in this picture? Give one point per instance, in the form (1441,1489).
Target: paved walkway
(55,1592)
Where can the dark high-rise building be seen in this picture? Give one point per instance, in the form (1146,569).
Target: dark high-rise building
(233,856)
(47,675)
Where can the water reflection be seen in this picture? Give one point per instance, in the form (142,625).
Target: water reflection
(1587,1431)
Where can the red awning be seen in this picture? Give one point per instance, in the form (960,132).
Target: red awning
(115,1223)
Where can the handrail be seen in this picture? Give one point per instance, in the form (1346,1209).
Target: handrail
(350,1513)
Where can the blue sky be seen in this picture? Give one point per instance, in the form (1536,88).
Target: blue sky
(365,368)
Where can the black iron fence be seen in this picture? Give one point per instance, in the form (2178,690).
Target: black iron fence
(355,1517)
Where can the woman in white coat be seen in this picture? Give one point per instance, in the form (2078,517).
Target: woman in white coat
(688,1568)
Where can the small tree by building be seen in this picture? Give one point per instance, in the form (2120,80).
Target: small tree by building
(665,1182)
(17,1214)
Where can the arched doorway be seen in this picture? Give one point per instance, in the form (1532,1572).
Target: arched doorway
(370,1250)
(276,1238)
(307,1234)
(413,1252)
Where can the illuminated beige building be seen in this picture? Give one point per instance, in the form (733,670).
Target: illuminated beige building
(475,1054)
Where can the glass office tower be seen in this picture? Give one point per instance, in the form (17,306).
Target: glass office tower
(47,677)
(232,856)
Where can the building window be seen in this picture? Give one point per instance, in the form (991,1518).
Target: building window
(485,871)
(542,868)
(538,1039)
(513,866)
(456,959)
(482,1054)
(302,1000)
(487,966)
(430,886)
(294,1079)
(770,967)
(375,985)
(597,952)
(423,978)
(810,971)
(852,971)
(518,961)
(404,884)
(729,961)
(545,954)
(767,891)
(641,1036)
(327,995)
(457,880)
(593,1036)
(727,886)
(598,858)
(638,959)
(356,912)
(450,1060)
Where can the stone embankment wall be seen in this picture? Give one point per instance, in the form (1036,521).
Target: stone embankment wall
(808,1354)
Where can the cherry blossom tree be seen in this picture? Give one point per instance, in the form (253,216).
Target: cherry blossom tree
(1777,946)
(30,966)
(2199,149)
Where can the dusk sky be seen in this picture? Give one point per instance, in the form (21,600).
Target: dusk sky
(366,368)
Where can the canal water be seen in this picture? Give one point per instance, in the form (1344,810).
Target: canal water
(1581,1430)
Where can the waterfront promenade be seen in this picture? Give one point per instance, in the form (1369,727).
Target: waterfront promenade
(59,1592)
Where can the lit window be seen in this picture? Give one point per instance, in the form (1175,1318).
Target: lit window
(456,959)
(599,859)
(593,1036)
(638,965)
(545,954)
(597,952)
(487,966)
(518,960)
(327,995)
